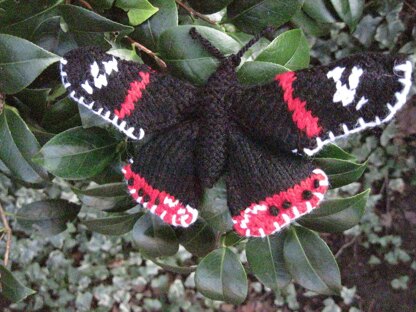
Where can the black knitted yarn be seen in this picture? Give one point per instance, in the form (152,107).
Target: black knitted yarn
(212,112)
(165,101)
(250,134)
(261,111)
(254,172)
(167,162)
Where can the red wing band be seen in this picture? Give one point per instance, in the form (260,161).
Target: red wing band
(160,203)
(100,80)
(134,94)
(277,211)
(302,118)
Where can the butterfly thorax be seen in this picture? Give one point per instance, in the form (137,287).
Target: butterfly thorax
(213,114)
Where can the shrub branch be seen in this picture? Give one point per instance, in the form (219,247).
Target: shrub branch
(149,52)
(345,246)
(139,46)
(8,232)
(1,102)
(194,13)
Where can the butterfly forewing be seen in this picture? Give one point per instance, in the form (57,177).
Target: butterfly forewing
(133,97)
(303,111)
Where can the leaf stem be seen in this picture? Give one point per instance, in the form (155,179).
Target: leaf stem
(86,5)
(8,231)
(141,47)
(345,246)
(411,7)
(1,102)
(194,13)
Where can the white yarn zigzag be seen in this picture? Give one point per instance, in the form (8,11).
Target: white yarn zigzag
(401,98)
(99,81)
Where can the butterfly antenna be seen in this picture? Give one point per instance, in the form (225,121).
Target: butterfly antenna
(253,41)
(206,44)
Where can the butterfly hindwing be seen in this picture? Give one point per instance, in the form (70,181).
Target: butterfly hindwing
(133,97)
(162,175)
(267,190)
(303,111)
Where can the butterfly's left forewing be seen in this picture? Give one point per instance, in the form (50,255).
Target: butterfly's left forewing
(132,97)
(305,110)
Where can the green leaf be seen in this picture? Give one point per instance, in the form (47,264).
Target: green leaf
(23,18)
(221,276)
(101,4)
(111,174)
(337,215)
(214,209)
(209,7)
(49,35)
(311,262)
(259,73)
(18,145)
(18,11)
(231,238)
(334,151)
(175,268)
(41,134)
(266,260)
(199,238)
(4,169)
(35,100)
(154,237)
(341,172)
(317,10)
(252,16)
(114,225)
(11,288)
(186,56)
(111,197)
(77,154)
(148,33)
(21,62)
(290,49)
(350,11)
(49,216)
(138,10)
(61,116)
(87,27)
(309,25)
(89,119)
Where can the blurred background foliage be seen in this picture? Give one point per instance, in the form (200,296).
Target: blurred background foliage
(80,244)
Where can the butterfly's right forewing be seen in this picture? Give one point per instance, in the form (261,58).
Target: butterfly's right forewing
(305,110)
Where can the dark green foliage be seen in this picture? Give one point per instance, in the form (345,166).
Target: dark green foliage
(42,131)
(47,216)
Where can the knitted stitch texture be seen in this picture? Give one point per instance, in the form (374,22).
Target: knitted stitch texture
(256,136)
(314,107)
(119,90)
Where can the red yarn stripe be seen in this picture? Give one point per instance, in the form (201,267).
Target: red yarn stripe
(134,94)
(303,118)
(168,208)
(257,216)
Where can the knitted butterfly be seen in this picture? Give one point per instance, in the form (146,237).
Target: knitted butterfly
(258,137)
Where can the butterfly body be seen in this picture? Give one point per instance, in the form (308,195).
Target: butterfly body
(257,137)
(213,106)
